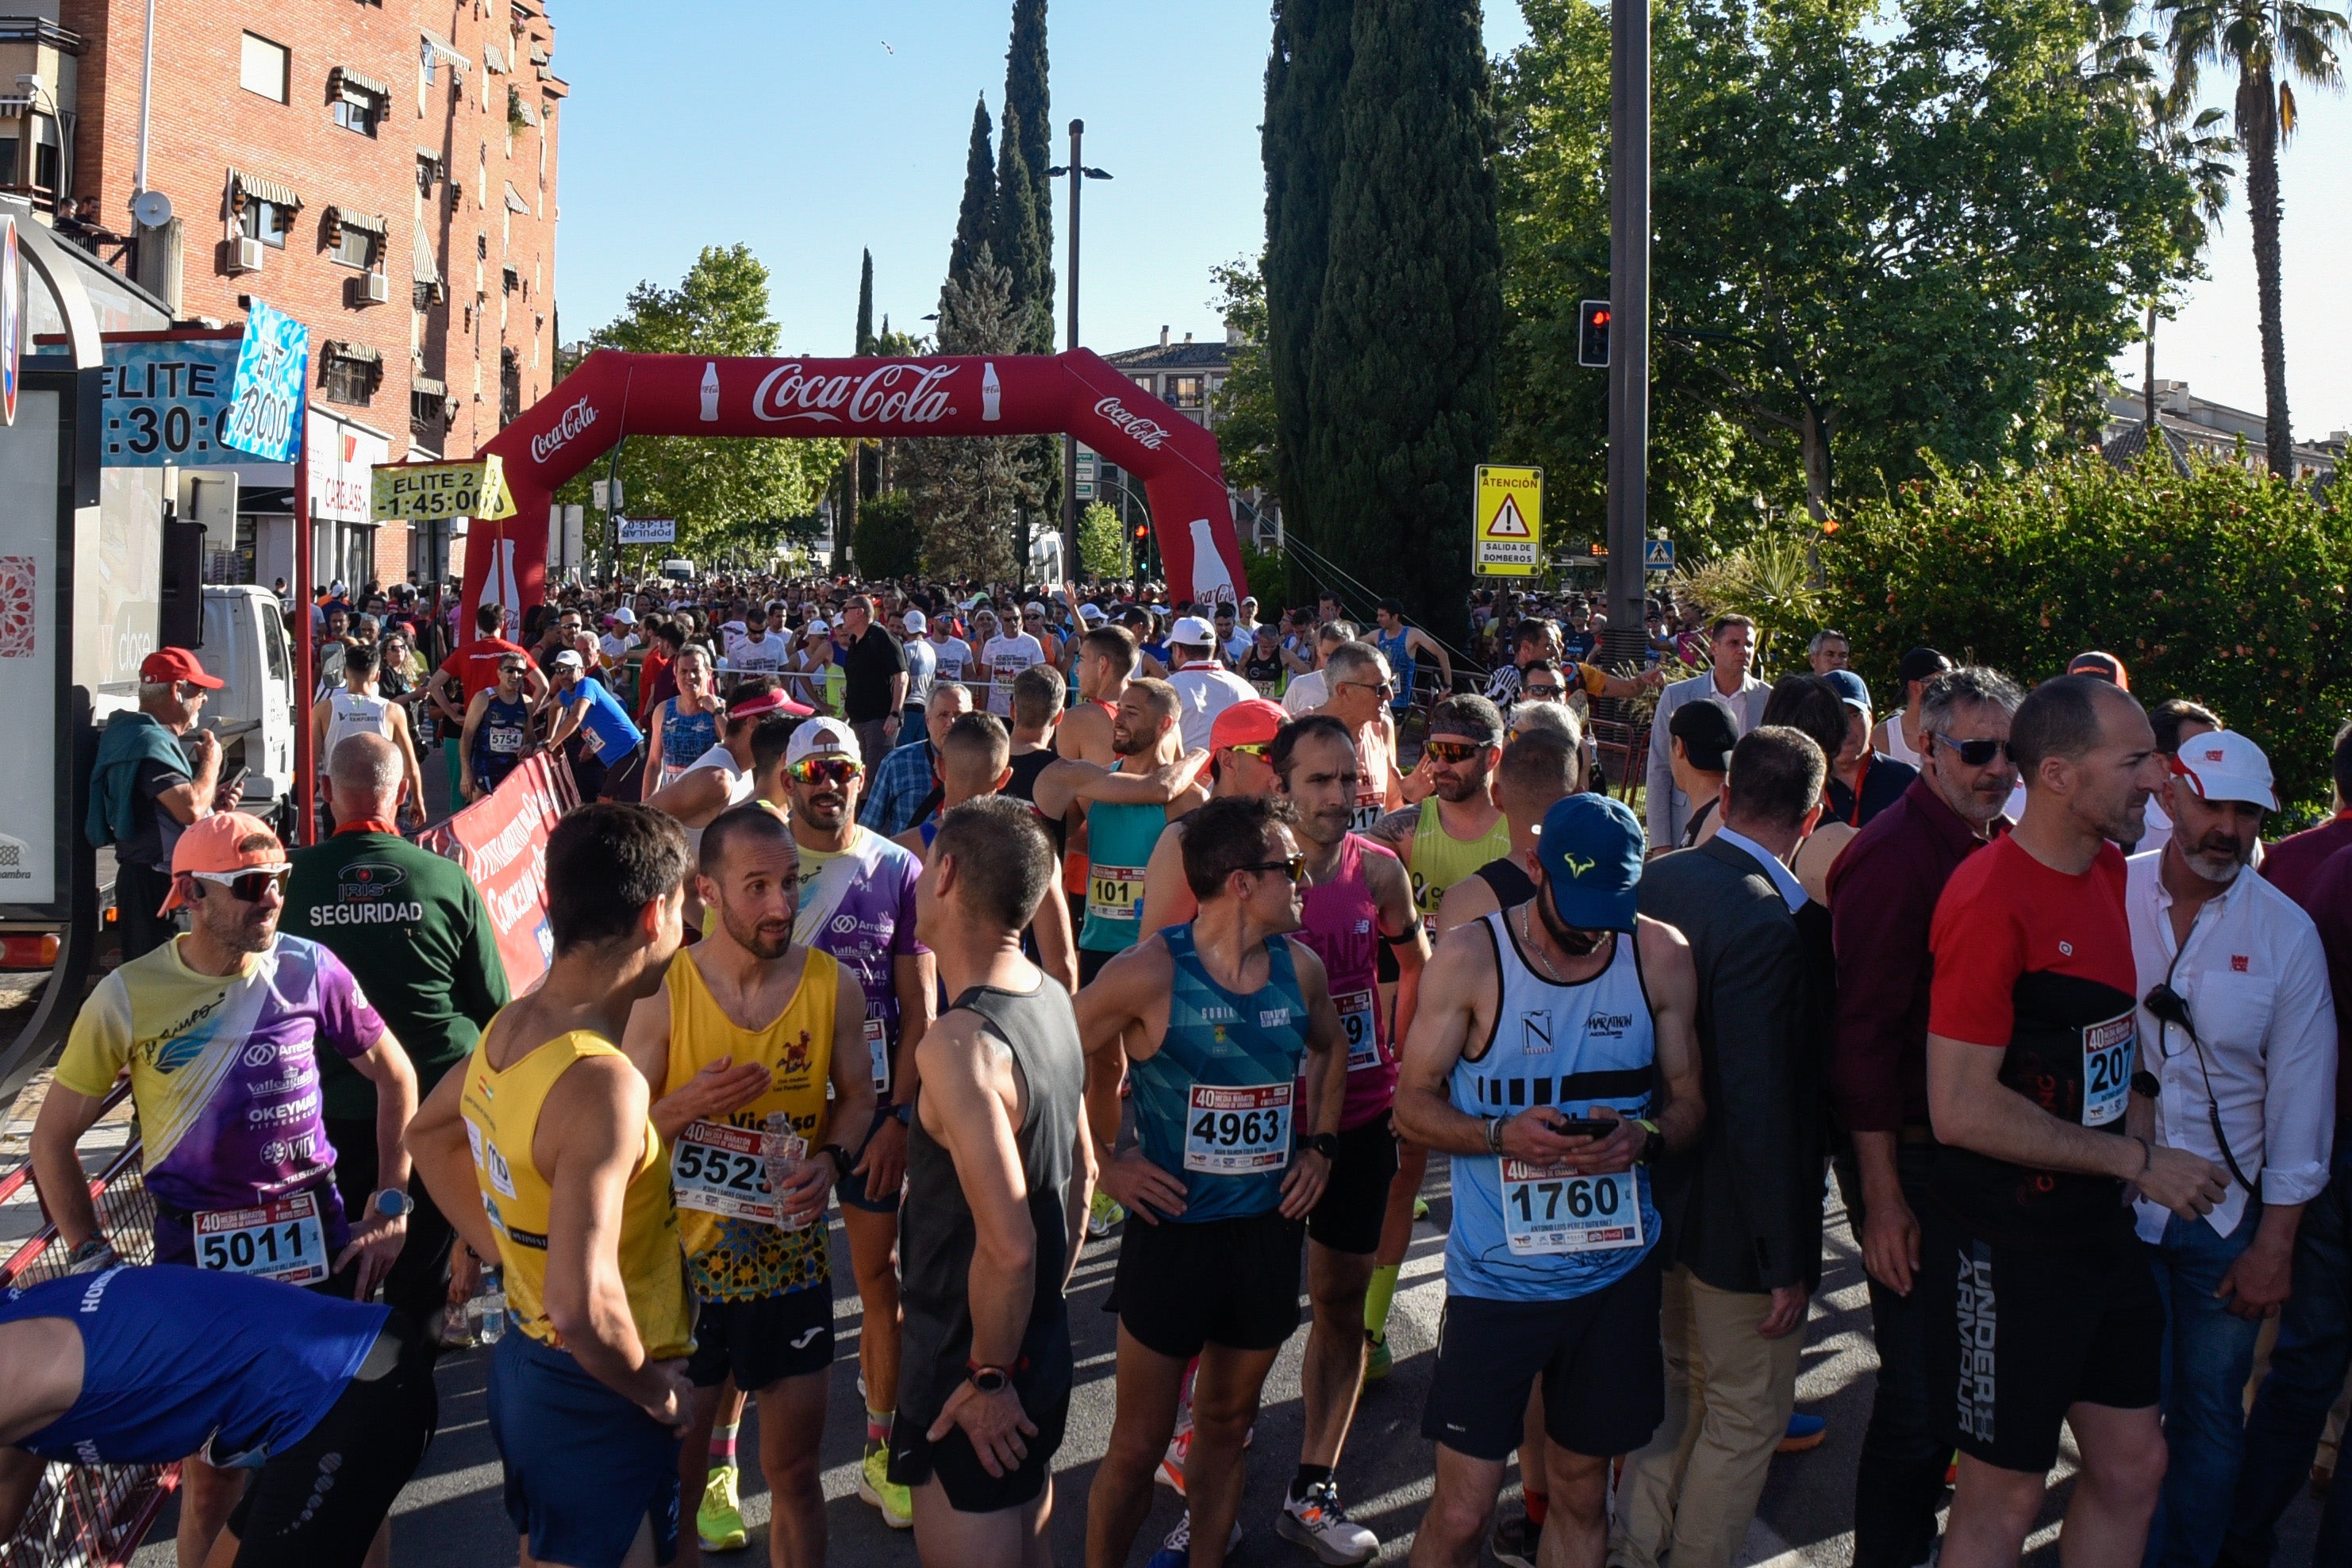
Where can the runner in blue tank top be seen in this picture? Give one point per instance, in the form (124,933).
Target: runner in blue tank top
(1214,1021)
(1554,1055)
(148,1365)
(1399,642)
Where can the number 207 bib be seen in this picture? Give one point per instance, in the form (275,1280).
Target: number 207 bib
(2107,1052)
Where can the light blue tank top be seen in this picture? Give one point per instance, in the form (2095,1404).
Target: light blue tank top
(1524,1234)
(1216,1105)
(1400,665)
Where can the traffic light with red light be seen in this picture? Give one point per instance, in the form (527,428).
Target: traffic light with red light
(1593,334)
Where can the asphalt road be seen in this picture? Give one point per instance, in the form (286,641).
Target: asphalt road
(450,1515)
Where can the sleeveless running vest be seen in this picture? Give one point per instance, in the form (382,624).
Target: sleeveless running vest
(684,737)
(1216,1105)
(737,1251)
(1527,1233)
(348,713)
(1343,927)
(1400,665)
(501,1112)
(1440,859)
(937,1237)
(1374,768)
(1118,846)
(499,738)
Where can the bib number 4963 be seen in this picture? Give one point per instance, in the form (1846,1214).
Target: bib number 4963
(1237,1131)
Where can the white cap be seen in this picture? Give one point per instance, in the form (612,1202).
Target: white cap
(1091,613)
(824,737)
(2224,764)
(816,627)
(568,659)
(1033,608)
(916,623)
(1193,632)
(625,615)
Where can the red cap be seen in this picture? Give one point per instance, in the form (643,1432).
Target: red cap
(2106,665)
(176,664)
(1252,722)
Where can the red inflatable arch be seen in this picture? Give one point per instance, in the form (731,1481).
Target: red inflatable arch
(1078,394)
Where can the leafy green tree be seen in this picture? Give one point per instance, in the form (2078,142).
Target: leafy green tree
(2222,587)
(977,210)
(1877,237)
(1029,126)
(2189,141)
(720,491)
(1400,388)
(1102,542)
(866,305)
(970,491)
(888,542)
(2270,44)
(1247,426)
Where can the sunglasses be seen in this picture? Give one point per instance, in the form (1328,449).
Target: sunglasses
(1542,692)
(249,886)
(1295,867)
(826,770)
(1975,753)
(1258,749)
(1453,750)
(1385,687)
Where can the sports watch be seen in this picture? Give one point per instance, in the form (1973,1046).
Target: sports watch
(987,1379)
(1325,1144)
(392,1204)
(1653,1142)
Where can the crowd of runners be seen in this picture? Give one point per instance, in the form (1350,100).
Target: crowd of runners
(1001,925)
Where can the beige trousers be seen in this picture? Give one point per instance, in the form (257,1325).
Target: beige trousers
(1687,1498)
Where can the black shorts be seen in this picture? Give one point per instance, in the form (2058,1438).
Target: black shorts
(2016,1335)
(318,1503)
(760,1343)
(851,1188)
(1349,1215)
(1604,1373)
(953,1460)
(1230,1282)
(1090,963)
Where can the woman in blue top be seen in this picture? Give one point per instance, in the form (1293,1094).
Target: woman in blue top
(686,725)
(331,1401)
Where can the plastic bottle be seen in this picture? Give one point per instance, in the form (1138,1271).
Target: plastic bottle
(490,1306)
(783,1151)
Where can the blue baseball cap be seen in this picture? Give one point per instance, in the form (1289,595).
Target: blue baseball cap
(1849,689)
(1590,847)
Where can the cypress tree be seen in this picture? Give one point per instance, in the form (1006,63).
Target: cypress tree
(1028,99)
(1304,78)
(866,306)
(973,218)
(1020,244)
(1401,381)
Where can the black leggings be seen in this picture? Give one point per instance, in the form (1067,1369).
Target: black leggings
(319,1504)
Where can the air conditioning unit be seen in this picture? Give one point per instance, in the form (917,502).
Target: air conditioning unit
(370,289)
(245,254)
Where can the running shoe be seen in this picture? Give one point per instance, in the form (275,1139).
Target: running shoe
(1420,1208)
(1379,1361)
(718,1521)
(1176,1552)
(1321,1523)
(1804,1432)
(1104,1215)
(1516,1541)
(874,1485)
(1171,1463)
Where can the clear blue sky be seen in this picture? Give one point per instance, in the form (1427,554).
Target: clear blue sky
(812,129)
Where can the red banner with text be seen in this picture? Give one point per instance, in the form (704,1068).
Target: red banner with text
(501,841)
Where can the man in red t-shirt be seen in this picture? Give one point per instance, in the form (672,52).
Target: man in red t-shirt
(2041,1310)
(474,667)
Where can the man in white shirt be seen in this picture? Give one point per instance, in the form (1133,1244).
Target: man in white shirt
(1003,657)
(620,635)
(2236,1014)
(1729,641)
(756,650)
(1203,688)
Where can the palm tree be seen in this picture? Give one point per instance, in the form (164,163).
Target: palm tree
(2272,44)
(2191,147)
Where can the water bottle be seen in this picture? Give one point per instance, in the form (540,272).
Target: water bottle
(782,1152)
(490,1306)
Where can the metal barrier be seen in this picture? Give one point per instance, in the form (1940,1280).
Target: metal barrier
(89,1516)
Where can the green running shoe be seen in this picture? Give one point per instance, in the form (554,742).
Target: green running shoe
(1379,1364)
(874,1485)
(719,1519)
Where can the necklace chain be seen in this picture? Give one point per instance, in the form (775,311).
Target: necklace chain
(1526,932)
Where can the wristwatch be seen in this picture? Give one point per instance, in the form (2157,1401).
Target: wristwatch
(987,1379)
(1325,1144)
(1653,1142)
(392,1204)
(841,1163)
(2145,1084)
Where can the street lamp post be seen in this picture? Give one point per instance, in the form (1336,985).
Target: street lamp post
(1079,174)
(1628,324)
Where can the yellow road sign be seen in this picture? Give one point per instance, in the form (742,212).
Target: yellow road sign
(425,492)
(1507,539)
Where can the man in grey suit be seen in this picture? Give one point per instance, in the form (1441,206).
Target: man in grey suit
(1742,1210)
(1729,641)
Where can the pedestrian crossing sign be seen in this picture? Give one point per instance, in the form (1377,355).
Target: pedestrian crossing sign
(1507,533)
(1657,555)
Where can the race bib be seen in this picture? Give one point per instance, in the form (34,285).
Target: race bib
(1114,892)
(281,1239)
(1238,1131)
(505,742)
(1369,809)
(1355,1022)
(877,1050)
(723,1169)
(1552,1211)
(2107,1050)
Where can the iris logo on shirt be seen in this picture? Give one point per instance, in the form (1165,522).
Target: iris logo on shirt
(369,879)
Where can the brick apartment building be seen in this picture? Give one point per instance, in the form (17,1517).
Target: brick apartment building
(383,170)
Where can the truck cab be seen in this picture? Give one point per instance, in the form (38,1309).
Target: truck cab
(245,644)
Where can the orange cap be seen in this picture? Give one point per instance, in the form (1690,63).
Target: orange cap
(2106,665)
(225,841)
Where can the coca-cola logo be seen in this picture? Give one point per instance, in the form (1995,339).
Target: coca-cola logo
(1142,430)
(575,419)
(900,393)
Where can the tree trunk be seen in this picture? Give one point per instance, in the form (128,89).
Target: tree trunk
(2147,376)
(2258,127)
(1813,439)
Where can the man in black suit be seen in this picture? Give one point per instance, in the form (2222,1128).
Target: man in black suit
(1742,1209)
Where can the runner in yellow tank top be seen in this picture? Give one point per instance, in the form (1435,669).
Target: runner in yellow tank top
(747,1027)
(542,1154)
(1454,829)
